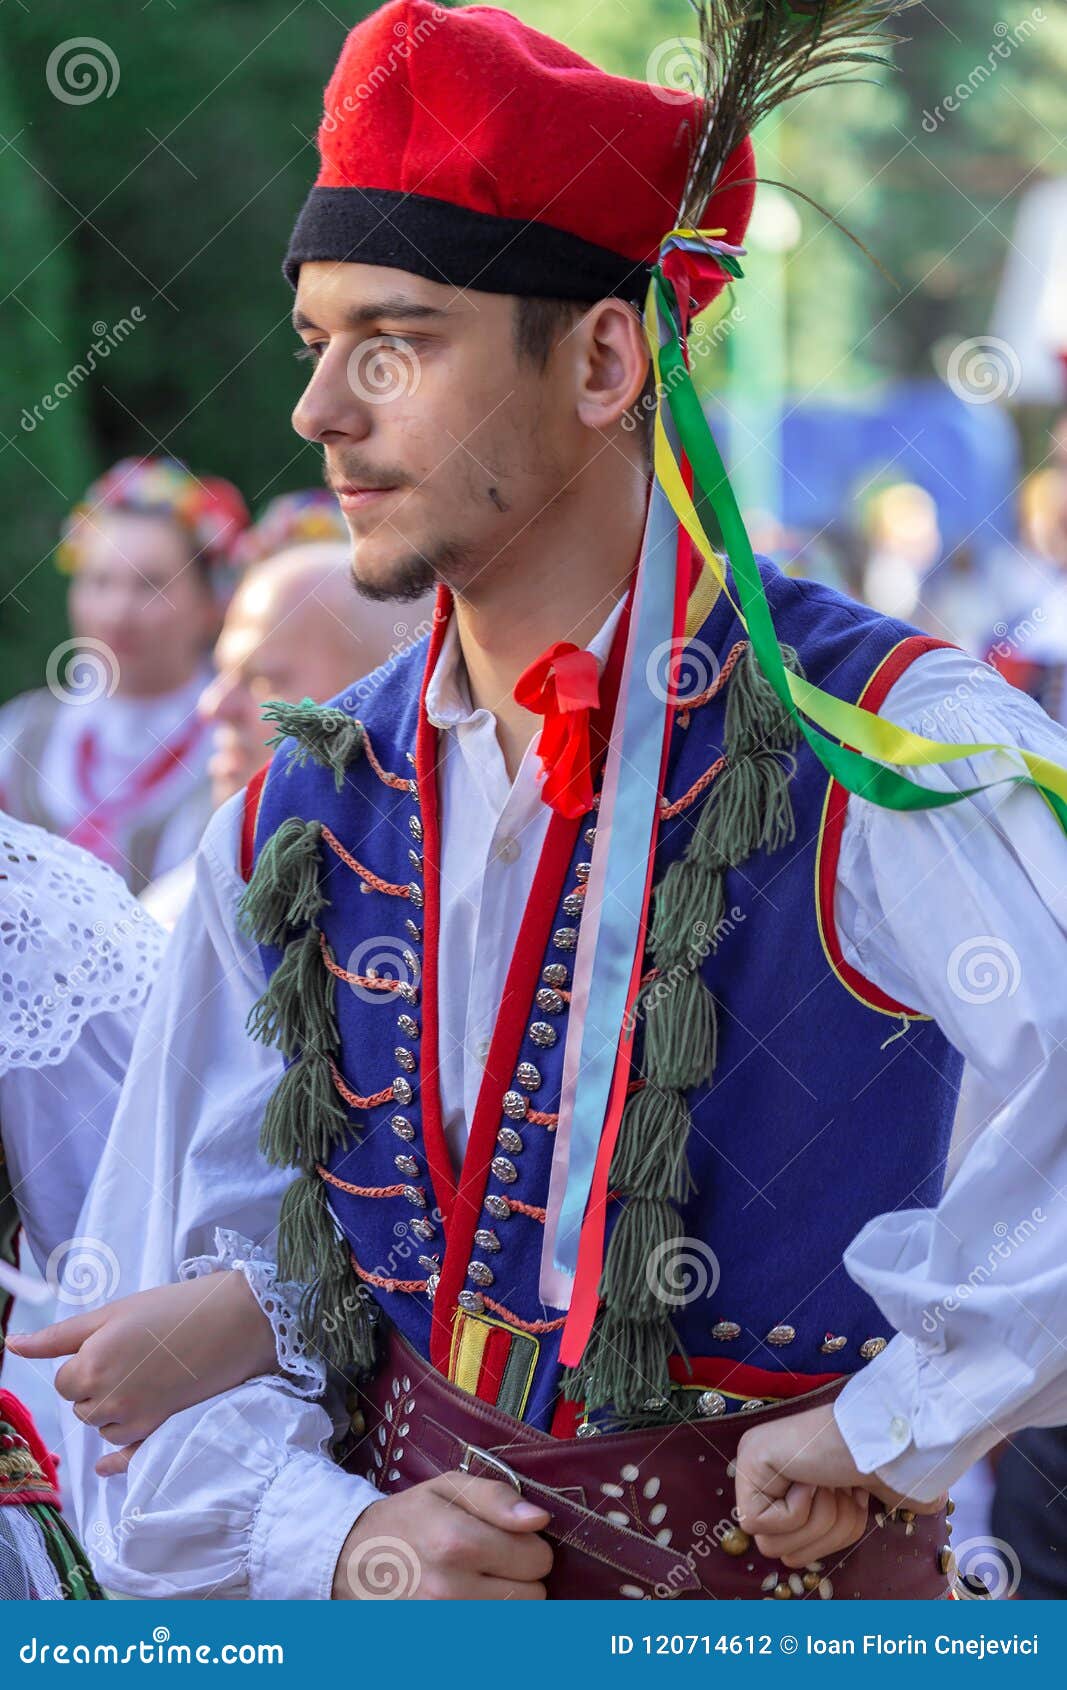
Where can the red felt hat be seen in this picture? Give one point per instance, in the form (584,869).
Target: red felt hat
(466,147)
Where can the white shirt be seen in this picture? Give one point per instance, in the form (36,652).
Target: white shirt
(238,1497)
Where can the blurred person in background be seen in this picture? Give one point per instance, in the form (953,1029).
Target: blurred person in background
(903,544)
(294,629)
(1029,644)
(111,753)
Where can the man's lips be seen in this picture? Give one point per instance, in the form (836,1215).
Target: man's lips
(352,497)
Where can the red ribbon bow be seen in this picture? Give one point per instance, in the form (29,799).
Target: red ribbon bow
(563,686)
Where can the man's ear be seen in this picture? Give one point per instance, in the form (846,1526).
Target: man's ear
(614,363)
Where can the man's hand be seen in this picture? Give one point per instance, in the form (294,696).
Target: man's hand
(451,1539)
(800,1493)
(145,1357)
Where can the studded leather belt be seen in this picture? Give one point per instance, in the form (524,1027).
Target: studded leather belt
(632,1514)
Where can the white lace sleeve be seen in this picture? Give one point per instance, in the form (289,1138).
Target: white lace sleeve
(279,1301)
(73,943)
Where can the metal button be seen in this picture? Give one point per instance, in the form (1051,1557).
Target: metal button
(780,1335)
(406,1058)
(543,1034)
(415,828)
(415,1196)
(555,974)
(415,859)
(422,1228)
(410,960)
(415,894)
(413,788)
(528,1076)
(711,1402)
(549,1000)
(515,1105)
(573,904)
(406,992)
(498,1207)
(725,1331)
(486,1239)
(509,1140)
(509,850)
(504,1170)
(582,871)
(590,835)
(565,938)
(408,1026)
(832,1343)
(402,1127)
(402,1090)
(413,930)
(470,1302)
(480,1272)
(406,1165)
(872,1347)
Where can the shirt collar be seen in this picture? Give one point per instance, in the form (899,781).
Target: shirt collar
(448,700)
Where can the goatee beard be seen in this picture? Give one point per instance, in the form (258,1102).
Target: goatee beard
(412,577)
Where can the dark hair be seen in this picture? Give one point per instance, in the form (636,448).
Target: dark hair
(541,323)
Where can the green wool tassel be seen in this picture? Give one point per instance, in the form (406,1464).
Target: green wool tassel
(304,1120)
(297,1010)
(689,905)
(650,1155)
(680,1033)
(333,1309)
(756,718)
(284,891)
(323,735)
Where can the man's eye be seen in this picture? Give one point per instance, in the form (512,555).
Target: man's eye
(314,351)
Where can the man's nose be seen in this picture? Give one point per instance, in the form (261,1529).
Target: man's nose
(330,407)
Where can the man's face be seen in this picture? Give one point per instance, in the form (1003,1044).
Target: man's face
(442,445)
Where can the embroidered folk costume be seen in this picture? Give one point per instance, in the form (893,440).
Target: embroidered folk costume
(123,774)
(641,1210)
(77,957)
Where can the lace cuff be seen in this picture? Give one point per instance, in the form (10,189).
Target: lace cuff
(305,1371)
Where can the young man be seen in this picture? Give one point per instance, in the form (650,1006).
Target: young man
(422,886)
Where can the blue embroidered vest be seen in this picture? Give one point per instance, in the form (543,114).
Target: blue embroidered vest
(817,1117)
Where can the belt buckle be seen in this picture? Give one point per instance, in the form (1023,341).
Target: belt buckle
(499,1467)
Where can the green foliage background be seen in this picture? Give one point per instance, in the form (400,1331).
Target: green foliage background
(176,192)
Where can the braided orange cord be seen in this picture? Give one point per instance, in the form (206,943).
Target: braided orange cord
(698,786)
(389,887)
(542,1118)
(373,982)
(360,1190)
(534,1213)
(385,1284)
(691,704)
(397,782)
(523,1325)
(353,1098)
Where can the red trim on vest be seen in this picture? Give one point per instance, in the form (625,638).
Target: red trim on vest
(253,799)
(526,959)
(723,1374)
(18,1417)
(872,698)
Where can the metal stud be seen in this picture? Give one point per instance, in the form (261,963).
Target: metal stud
(543,1034)
(415,859)
(565,938)
(410,960)
(413,788)
(504,1170)
(402,1090)
(422,1228)
(872,1347)
(509,1140)
(583,871)
(406,992)
(410,755)
(832,1343)
(433,1280)
(406,1165)
(470,1302)
(430,1264)
(711,1402)
(415,1196)
(480,1272)
(725,1331)
(590,835)
(751,1406)
(549,1000)
(810,1581)
(780,1335)
(783,1592)
(406,1058)
(555,974)
(413,930)
(415,894)
(528,1076)
(735,1541)
(515,1105)
(486,1239)
(587,1430)
(946,1562)
(415,828)
(402,1127)
(573,904)
(408,1026)
(498,1207)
